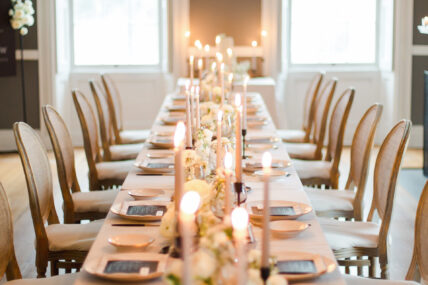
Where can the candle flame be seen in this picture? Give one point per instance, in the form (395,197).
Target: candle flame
(217,40)
(222,66)
(238,100)
(207,48)
(246,78)
(230,77)
(179,134)
(213,66)
(229,52)
(187,34)
(187,85)
(191,59)
(254,44)
(228,161)
(264,33)
(200,63)
(219,56)
(190,202)
(239,219)
(219,115)
(198,44)
(267,160)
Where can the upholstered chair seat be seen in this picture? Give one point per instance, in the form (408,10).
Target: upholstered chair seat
(293,136)
(65,279)
(307,169)
(77,237)
(356,280)
(125,151)
(305,151)
(94,201)
(134,136)
(344,235)
(331,200)
(117,170)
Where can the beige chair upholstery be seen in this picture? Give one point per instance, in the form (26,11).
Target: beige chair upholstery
(360,156)
(302,150)
(349,239)
(356,280)
(111,151)
(77,205)
(322,107)
(303,135)
(113,173)
(313,172)
(115,106)
(8,263)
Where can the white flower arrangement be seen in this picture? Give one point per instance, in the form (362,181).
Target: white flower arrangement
(21,15)
(194,165)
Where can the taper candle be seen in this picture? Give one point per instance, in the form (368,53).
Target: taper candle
(244,112)
(228,180)
(222,82)
(178,163)
(188,119)
(200,69)
(238,136)
(219,123)
(207,56)
(266,162)
(240,229)
(198,115)
(191,60)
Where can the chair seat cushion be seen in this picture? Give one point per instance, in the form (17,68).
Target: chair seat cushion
(114,169)
(331,200)
(125,151)
(312,168)
(72,236)
(344,234)
(134,136)
(355,280)
(293,136)
(94,201)
(64,279)
(301,150)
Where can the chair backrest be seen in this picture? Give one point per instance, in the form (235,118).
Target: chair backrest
(386,170)
(322,107)
(309,104)
(8,262)
(38,175)
(362,145)
(420,249)
(88,123)
(104,118)
(115,105)
(336,130)
(64,155)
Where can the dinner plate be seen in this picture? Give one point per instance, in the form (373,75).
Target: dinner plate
(160,154)
(162,143)
(172,120)
(140,266)
(287,228)
(155,167)
(289,210)
(131,240)
(256,124)
(321,265)
(261,147)
(126,210)
(146,194)
(277,164)
(261,140)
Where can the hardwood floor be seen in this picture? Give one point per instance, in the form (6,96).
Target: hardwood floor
(12,177)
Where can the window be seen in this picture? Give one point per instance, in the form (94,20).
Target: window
(116,32)
(333,31)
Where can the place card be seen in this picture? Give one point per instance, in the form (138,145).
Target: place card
(275,211)
(131,266)
(146,210)
(296,267)
(160,165)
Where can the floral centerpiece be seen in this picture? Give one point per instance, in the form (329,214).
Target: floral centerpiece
(21,15)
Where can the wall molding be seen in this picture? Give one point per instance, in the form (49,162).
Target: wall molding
(420,50)
(29,54)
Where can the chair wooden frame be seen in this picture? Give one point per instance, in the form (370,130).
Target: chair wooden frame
(354,180)
(335,142)
(383,198)
(88,121)
(68,259)
(309,105)
(63,148)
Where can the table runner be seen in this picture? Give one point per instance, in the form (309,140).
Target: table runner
(287,188)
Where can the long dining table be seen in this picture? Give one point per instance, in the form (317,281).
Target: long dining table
(287,188)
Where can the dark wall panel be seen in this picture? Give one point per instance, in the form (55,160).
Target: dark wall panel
(420,10)
(420,63)
(11,109)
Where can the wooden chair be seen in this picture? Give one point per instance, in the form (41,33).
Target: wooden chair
(326,171)
(303,135)
(77,205)
(349,203)
(368,239)
(418,269)
(8,263)
(115,105)
(111,151)
(102,174)
(313,149)
(63,245)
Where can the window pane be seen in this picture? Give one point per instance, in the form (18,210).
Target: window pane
(333,31)
(116,32)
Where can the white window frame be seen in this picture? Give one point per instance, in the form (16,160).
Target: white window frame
(332,67)
(163,50)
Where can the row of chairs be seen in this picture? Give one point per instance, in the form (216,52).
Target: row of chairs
(354,241)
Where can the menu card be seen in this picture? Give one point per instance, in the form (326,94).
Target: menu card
(131,266)
(276,211)
(296,266)
(146,210)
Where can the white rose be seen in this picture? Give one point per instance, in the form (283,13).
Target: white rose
(15,24)
(30,20)
(220,238)
(200,186)
(167,226)
(204,264)
(276,280)
(23,31)
(10,12)
(19,13)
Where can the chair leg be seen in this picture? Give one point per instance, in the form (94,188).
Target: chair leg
(383,261)
(347,268)
(54,267)
(372,268)
(68,270)
(359,268)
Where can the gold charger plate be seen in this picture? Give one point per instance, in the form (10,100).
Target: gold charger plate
(146,194)
(144,165)
(300,209)
(97,267)
(131,240)
(121,210)
(323,265)
(287,228)
(172,121)
(162,143)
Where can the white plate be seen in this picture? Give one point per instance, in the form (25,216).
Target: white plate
(172,121)
(274,173)
(162,143)
(277,164)
(160,154)
(96,266)
(146,166)
(131,240)
(287,229)
(146,194)
(261,147)
(300,209)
